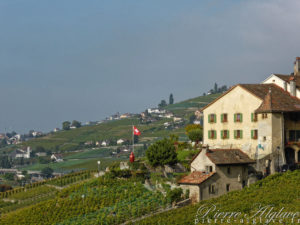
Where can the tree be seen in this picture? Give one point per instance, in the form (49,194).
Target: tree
(195,135)
(47,172)
(3,143)
(66,125)
(162,153)
(190,127)
(194,132)
(216,88)
(4,162)
(174,195)
(192,118)
(76,124)
(162,104)
(171,99)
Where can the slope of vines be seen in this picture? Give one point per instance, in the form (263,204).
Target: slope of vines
(98,201)
(279,190)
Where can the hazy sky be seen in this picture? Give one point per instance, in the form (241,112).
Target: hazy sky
(84,60)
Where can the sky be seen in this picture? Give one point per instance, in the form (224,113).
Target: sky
(85,60)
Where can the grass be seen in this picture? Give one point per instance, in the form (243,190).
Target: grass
(75,164)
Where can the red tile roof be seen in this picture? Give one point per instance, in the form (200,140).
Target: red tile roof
(287,78)
(228,156)
(279,101)
(196,177)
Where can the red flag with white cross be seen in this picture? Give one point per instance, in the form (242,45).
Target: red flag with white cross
(136,131)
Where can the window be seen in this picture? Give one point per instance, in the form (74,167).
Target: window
(294,135)
(238,117)
(225,134)
(212,134)
(212,118)
(254,134)
(264,115)
(224,118)
(253,117)
(212,189)
(238,134)
(227,187)
(228,170)
(209,169)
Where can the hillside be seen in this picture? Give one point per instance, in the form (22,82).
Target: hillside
(78,156)
(189,106)
(108,200)
(278,190)
(67,140)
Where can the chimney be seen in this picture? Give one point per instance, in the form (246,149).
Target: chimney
(293,86)
(297,67)
(285,85)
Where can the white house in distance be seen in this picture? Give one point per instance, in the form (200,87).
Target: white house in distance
(120,141)
(57,157)
(104,143)
(56,130)
(23,153)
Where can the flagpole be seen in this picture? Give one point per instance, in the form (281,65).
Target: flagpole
(132,138)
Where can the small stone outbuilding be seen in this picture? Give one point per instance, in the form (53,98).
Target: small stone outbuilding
(216,172)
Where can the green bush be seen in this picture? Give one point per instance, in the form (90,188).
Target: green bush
(161,153)
(174,195)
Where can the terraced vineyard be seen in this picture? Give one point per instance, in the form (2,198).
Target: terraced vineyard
(278,190)
(99,201)
(38,192)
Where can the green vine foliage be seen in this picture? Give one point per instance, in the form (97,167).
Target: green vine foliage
(101,200)
(279,190)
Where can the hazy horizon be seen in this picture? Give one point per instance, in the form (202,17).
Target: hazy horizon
(85,60)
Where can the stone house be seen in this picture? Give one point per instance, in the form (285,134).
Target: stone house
(262,120)
(216,172)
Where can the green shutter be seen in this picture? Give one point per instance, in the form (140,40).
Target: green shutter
(227,134)
(215,134)
(209,136)
(222,117)
(241,132)
(215,118)
(222,134)
(235,133)
(234,117)
(252,134)
(241,117)
(208,116)
(252,117)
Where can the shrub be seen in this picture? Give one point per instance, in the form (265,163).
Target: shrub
(174,195)
(161,153)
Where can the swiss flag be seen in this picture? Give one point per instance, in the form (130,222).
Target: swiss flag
(136,131)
